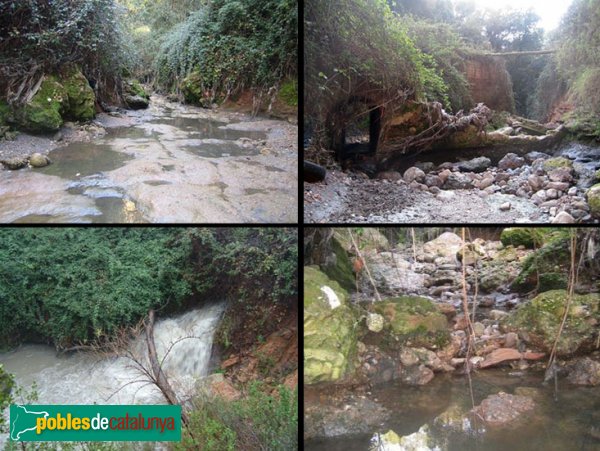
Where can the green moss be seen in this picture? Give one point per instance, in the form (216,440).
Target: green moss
(529,237)
(191,88)
(5,112)
(549,263)
(541,317)
(340,269)
(414,319)
(593,198)
(330,334)
(81,98)
(43,113)
(557,162)
(598,175)
(288,92)
(135,88)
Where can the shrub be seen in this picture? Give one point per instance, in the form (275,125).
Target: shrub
(256,422)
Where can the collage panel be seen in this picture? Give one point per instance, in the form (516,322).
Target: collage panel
(451,338)
(142,338)
(451,112)
(137,111)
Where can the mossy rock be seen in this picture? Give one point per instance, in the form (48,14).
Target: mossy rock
(330,329)
(597,174)
(538,321)
(81,104)
(288,92)
(593,198)
(43,113)
(549,264)
(414,319)
(529,237)
(368,239)
(191,88)
(338,266)
(557,162)
(134,88)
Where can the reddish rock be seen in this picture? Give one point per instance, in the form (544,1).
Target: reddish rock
(230,362)
(503,408)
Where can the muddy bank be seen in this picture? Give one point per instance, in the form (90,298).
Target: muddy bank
(170,163)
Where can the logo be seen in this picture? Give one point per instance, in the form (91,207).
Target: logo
(29,423)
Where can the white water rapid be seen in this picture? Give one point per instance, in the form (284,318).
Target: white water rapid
(82,378)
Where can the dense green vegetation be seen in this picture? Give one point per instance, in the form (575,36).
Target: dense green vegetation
(259,421)
(66,286)
(212,50)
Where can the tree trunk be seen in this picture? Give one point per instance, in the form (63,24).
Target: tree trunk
(159,376)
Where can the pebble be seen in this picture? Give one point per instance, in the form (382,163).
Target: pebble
(505,206)
(572,191)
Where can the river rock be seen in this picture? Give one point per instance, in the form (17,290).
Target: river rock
(487,181)
(446,245)
(136,102)
(478,329)
(329,328)
(417,375)
(538,321)
(374,322)
(497,315)
(416,356)
(564,175)
(551,193)
(457,180)
(433,181)
(593,198)
(503,408)
(559,186)
(413,174)
(585,372)
(389,175)
(37,160)
(572,191)
(533,156)
(563,218)
(535,182)
(392,274)
(505,206)
(511,161)
(477,165)
(444,174)
(14,163)
(413,318)
(511,339)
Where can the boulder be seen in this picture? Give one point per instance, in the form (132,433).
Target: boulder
(43,113)
(414,174)
(37,160)
(563,218)
(538,321)
(556,162)
(501,409)
(477,165)
(80,104)
(14,163)
(563,175)
(593,198)
(136,102)
(520,236)
(392,274)
(585,372)
(458,180)
(329,329)
(414,319)
(511,161)
(446,245)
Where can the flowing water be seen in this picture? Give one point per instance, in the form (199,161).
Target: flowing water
(569,423)
(170,163)
(82,378)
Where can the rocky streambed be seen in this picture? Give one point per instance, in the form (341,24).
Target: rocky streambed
(169,163)
(402,373)
(540,187)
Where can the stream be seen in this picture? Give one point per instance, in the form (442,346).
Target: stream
(170,163)
(564,424)
(84,378)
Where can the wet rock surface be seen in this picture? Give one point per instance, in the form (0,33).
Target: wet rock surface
(174,163)
(503,408)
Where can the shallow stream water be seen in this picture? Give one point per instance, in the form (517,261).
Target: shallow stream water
(563,424)
(170,163)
